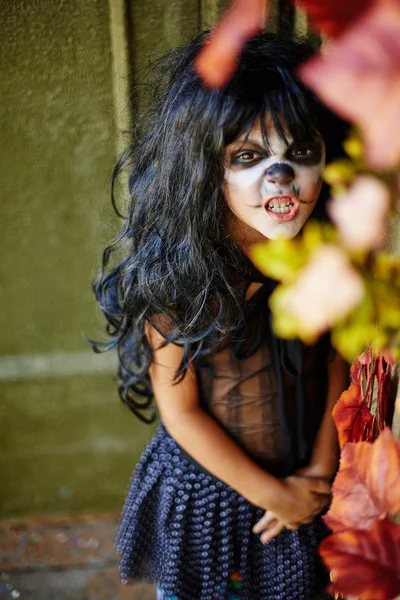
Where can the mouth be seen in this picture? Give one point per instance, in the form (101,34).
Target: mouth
(282,208)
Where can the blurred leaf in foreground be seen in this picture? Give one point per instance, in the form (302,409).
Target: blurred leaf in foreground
(333,16)
(365,564)
(358,76)
(217,60)
(367,486)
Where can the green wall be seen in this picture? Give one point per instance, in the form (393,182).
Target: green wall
(57,136)
(68,446)
(67,443)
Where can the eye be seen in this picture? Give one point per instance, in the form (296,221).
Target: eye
(246,156)
(302,152)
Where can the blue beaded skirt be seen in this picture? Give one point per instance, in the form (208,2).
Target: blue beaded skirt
(232,592)
(187,532)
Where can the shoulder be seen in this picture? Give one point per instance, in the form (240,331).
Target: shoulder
(165,329)
(158,331)
(175,389)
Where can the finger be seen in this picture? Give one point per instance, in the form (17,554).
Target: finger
(321,486)
(272,532)
(264,522)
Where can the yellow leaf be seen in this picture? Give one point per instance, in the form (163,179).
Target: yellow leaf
(339,172)
(387,266)
(284,323)
(280,259)
(354,147)
(312,236)
(351,339)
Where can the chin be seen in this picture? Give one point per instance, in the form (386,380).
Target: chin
(286,231)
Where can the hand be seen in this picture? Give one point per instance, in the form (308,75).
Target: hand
(308,498)
(303,498)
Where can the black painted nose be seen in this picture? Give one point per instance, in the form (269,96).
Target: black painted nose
(279,173)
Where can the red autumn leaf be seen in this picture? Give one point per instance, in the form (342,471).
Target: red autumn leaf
(216,62)
(358,76)
(367,486)
(352,416)
(352,505)
(387,386)
(332,16)
(381,385)
(365,564)
(359,365)
(380,468)
(364,359)
(388,356)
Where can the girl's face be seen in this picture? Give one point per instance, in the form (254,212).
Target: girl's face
(271,193)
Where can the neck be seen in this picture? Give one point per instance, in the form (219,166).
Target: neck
(243,235)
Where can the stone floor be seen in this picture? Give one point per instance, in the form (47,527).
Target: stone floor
(63,559)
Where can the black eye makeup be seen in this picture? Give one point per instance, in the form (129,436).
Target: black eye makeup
(308,152)
(245,157)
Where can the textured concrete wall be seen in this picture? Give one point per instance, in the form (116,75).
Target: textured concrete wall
(57,149)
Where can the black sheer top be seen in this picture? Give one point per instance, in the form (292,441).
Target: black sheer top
(269,394)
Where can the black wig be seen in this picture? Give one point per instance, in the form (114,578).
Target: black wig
(173,257)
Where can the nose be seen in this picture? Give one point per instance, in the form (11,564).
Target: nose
(279,173)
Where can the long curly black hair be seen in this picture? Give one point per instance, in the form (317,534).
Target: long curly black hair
(173,256)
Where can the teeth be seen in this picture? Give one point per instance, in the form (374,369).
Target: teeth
(279,207)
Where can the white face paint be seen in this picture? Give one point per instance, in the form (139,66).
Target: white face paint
(271,193)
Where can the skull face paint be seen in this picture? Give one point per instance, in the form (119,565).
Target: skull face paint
(271,192)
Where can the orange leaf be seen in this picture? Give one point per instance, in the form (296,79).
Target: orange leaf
(365,564)
(216,62)
(367,486)
(352,416)
(380,468)
(359,78)
(333,16)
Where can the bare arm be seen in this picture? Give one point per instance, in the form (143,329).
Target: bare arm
(325,454)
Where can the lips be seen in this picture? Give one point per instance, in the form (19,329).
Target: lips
(282,208)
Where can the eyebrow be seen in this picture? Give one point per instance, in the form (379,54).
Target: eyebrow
(240,143)
(260,143)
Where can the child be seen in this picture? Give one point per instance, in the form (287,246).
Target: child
(226,499)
